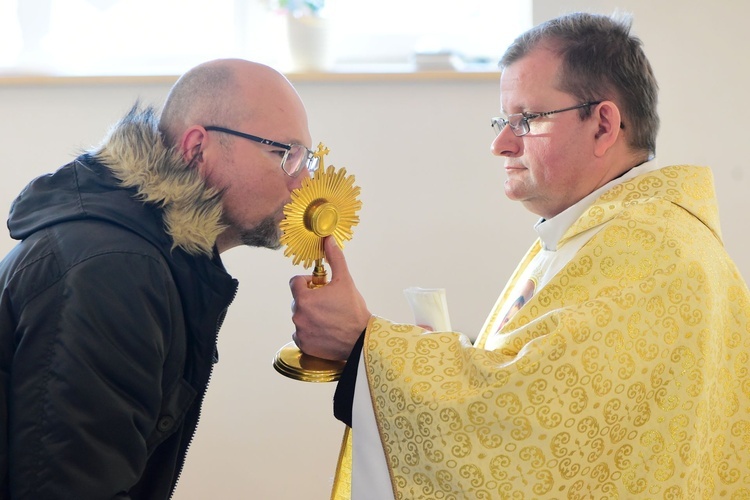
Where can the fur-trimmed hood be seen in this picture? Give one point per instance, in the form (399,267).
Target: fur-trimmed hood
(135,156)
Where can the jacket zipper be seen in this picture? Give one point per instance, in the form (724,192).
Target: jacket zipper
(219,322)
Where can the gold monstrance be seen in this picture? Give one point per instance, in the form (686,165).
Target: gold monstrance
(325,205)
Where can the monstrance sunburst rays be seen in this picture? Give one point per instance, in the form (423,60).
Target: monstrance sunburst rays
(325,204)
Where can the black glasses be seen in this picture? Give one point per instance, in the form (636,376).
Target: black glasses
(296,156)
(519,122)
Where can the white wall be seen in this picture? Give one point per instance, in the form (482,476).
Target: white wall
(433,215)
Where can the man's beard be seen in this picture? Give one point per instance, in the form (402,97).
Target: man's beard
(265,235)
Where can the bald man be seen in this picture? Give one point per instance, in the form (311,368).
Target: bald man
(111,300)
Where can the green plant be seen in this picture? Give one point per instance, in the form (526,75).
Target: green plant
(299,7)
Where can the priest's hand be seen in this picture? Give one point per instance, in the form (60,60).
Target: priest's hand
(328,319)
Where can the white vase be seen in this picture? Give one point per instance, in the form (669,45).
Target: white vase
(310,45)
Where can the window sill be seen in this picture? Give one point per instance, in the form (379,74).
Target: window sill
(386,73)
(374,73)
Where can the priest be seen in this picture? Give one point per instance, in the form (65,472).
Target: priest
(616,361)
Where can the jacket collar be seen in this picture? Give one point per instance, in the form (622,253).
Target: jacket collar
(135,154)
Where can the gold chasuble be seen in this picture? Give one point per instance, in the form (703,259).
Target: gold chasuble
(627,375)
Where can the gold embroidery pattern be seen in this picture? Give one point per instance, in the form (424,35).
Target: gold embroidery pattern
(626,376)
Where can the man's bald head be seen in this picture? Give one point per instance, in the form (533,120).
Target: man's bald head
(224,92)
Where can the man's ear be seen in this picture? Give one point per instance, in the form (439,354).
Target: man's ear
(191,144)
(607,116)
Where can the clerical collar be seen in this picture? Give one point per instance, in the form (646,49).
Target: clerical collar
(551,230)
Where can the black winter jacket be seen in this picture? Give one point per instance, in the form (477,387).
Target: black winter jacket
(109,313)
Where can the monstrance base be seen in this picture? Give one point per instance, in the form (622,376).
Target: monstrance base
(293,363)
